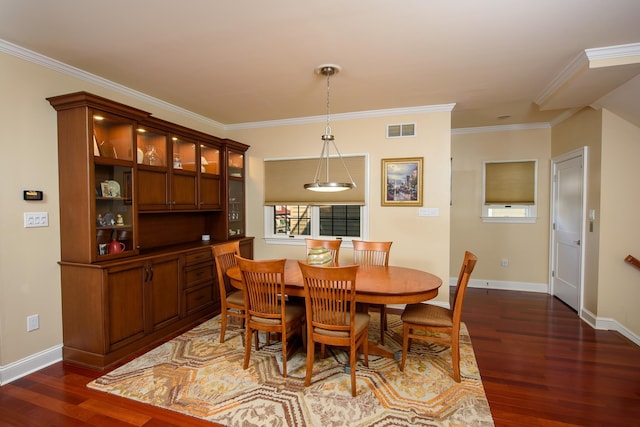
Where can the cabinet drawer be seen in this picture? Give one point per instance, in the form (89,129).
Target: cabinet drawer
(199,298)
(198,257)
(198,275)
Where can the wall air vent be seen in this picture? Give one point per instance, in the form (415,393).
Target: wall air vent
(401,130)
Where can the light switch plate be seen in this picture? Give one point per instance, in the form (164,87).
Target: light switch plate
(36,219)
(428,212)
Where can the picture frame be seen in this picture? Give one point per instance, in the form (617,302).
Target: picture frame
(106,191)
(402,181)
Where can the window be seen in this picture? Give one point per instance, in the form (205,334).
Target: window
(509,191)
(297,222)
(292,213)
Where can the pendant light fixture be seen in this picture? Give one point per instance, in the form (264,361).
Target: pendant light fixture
(328,140)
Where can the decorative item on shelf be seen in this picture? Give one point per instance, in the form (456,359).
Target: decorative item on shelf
(177,161)
(103,248)
(100,221)
(203,164)
(151,157)
(116,247)
(96,149)
(110,188)
(108,150)
(119,219)
(327,140)
(140,155)
(319,256)
(108,219)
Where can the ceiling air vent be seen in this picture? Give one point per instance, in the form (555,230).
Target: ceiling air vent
(401,130)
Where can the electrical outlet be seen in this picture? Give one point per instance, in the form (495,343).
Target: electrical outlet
(36,219)
(33,322)
(504,262)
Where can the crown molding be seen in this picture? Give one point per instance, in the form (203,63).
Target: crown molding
(344,116)
(576,66)
(501,128)
(623,54)
(61,67)
(588,59)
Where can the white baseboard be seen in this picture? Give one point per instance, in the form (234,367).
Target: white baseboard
(504,285)
(609,324)
(35,362)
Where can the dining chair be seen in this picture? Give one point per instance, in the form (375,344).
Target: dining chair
(332,245)
(431,318)
(330,300)
(266,308)
(231,299)
(373,253)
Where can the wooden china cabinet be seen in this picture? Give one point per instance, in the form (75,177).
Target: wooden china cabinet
(136,195)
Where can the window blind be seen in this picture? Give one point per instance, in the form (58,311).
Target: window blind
(510,183)
(284,181)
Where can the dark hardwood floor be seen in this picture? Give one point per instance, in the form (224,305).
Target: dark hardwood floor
(540,366)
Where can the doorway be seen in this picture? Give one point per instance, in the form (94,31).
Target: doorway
(568,207)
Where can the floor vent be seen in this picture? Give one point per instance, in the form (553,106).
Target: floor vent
(401,130)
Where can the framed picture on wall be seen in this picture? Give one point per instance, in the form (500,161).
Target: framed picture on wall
(402,182)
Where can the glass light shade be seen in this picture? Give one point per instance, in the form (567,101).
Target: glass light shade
(329,187)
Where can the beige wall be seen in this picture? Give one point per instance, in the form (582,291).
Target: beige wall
(584,129)
(619,282)
(420,242)
(526,246)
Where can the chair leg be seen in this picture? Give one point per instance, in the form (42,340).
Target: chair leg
(258,340)
(352,363)
(310,359)
(247,347)
(284,354)
(455,357)
(405,345)
(223,325)
(365,348)
(383,322)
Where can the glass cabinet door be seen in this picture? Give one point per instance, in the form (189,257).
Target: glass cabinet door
(184,173)
(235,169)
(209,182)
(112,137)
(113,207)
(151,157)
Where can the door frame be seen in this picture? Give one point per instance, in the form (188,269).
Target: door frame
(580,152)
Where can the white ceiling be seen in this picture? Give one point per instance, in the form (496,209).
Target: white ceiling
(245,61)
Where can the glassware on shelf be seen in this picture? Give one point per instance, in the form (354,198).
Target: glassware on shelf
(151,157)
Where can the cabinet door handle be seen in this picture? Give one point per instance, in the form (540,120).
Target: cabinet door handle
(150,274)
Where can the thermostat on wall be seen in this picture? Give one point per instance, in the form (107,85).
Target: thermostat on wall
(32,195)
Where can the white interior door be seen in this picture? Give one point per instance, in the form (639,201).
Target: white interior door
(568,217)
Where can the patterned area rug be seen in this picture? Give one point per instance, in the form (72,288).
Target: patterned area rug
(196,375)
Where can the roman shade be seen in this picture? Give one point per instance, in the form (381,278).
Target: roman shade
(510,183)
(284,181)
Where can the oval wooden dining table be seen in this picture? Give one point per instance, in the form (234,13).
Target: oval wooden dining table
(374,285)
